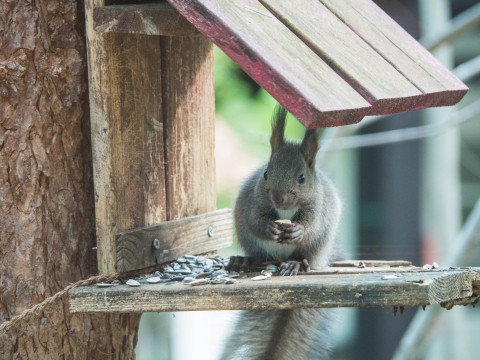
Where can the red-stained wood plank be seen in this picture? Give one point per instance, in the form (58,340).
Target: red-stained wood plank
(352,58)
(274,57)
(440,86)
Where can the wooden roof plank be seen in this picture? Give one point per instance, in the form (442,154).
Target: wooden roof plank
(335,289)
(440,86)
(292,73)
(352,58)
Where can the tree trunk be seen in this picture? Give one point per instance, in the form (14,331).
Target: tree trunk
(46,189)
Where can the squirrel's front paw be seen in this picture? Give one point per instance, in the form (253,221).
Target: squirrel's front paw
(291,267)
(274,231)
(291,233)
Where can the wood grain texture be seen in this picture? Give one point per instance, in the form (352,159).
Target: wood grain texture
(374,288)
(343,49)
(46,190)
(194,235)
(99,93)
(149,19)
(292,73)
(47,226)
(439,86)
(117,334)
(189,125)
(371,263)
(136,129)
(153,134)
(127,139)
(476,287)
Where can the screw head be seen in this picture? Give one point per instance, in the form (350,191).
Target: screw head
(156,243)
(211,231)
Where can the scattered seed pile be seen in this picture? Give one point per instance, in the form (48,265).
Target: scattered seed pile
(193,270)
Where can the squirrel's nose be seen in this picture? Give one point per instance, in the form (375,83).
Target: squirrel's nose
(279,198)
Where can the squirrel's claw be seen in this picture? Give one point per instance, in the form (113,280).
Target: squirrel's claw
(273,231)
(292,234)
(291,267)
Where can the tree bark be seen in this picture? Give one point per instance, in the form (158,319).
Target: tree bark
(46,189)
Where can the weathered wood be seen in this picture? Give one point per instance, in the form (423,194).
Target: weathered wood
(189,122)
(119,333)
(344,50)
(47,228)
(292,73)
(127,138)
(101,138)
(157,244)
(371,263)
(374,288)
(149,19)
(137,132)
(476,287)
(153,134)
(439,86)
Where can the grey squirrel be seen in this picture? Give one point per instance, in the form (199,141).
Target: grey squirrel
(288,187)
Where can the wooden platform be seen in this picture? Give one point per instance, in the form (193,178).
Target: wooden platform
(327,287)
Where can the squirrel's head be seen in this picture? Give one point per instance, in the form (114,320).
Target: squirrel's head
(290,175)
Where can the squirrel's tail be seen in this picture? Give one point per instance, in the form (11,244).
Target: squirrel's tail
(279,335)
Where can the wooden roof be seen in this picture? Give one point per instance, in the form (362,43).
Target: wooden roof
(328,62)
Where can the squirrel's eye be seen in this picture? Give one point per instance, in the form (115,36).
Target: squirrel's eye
(265,175)
(301,179)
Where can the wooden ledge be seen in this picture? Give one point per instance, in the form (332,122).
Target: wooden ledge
(328,287)
(157,244)
(150,19)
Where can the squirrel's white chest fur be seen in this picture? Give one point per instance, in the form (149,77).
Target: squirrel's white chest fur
(287,214)
(274,249)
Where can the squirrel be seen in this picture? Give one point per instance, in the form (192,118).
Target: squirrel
(288,187)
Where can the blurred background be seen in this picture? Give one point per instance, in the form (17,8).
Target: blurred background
(409,182)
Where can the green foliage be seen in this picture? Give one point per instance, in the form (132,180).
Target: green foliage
(246,107)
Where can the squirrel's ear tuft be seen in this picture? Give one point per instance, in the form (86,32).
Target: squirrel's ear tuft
(278,127)
(309,147)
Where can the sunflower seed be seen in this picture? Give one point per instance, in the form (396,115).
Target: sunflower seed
(153,280)
(133,283)
(389,277)
(188,280)
(262,277)
(104,285)
(199,282)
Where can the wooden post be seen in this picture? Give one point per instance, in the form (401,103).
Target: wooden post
(152,110)
(152,123)
(189,113)
(127,137)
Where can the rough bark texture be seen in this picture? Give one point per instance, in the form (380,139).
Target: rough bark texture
(46,190)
